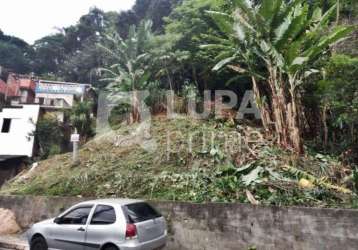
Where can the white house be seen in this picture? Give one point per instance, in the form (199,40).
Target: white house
(56,96)
(17,126)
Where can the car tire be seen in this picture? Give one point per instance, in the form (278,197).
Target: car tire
(38,243)
(111,248)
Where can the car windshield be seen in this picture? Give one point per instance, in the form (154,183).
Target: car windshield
(139,212)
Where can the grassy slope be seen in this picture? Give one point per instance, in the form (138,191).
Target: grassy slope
(127,170)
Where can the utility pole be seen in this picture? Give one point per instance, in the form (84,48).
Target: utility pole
(75,139)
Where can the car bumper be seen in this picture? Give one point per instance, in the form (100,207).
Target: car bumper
(157,243)
(28,234)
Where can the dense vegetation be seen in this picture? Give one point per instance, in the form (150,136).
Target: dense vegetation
(266,174)
(289,53)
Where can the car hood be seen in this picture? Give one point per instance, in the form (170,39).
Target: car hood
(49,221)
(38,227)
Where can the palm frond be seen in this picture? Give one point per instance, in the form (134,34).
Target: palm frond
(223,21)
(223,63)
(268,10)
(297,24)
(337,34)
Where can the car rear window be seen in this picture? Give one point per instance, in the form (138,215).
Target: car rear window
(139,212)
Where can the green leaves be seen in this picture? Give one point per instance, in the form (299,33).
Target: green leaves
(277,34)
(325,18)
(338,33)
(213,46)
(300,60)
(269,10)
(295,23)
(129,72)
(252,177)
(223,63)
(282,29)
(223,20)
(245,5)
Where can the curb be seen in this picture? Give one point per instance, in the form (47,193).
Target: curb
(13,245)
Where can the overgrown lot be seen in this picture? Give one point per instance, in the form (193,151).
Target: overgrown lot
(214,168)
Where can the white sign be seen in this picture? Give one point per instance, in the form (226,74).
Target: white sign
(75,138)
(56,88)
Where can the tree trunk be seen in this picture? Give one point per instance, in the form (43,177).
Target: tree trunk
(135,107)
(325,127)
(295,126)
(338,12)
(169,79)
(283,111)
(263,106)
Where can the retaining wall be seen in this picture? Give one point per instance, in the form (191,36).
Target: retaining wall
(225,226)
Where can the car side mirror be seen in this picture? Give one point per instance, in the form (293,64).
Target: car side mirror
(57,220)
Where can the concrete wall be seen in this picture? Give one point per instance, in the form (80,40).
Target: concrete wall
(227,226)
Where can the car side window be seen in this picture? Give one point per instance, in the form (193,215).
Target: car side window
(77,216)
(103,215)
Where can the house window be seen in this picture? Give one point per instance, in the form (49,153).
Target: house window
(41,100)
(6,126)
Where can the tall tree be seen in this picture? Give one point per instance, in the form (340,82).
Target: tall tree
(129,70)
(188,24)
(277,43)
(15,54)
(50,54)
(80,117)
(155,10)
(168,62)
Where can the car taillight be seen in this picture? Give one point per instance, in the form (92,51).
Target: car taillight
(131,231)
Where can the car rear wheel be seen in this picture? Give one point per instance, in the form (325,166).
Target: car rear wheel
(38,243)
(111,248)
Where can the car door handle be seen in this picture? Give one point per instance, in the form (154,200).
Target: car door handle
(81,229)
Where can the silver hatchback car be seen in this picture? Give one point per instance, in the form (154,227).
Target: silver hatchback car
(113,224)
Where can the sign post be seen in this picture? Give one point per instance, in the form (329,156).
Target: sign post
(75,139)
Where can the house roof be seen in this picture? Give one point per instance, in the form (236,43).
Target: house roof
(15,83)
(27,84)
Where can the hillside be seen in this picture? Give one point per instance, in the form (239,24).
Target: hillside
(115,165)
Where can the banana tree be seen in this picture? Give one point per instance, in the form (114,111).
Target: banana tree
(129,70)
(80,117)
(168,61)
(277,43)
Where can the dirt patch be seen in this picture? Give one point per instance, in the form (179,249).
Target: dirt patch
(8,224)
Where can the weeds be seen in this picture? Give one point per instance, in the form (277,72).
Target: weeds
(204,174)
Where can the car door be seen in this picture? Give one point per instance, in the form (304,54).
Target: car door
(103,227)
(69,232)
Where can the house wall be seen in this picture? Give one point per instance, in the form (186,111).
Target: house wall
(59,100)
(2,92)
(18,141)
(2,100)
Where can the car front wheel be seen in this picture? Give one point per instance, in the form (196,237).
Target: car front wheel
(38,244)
